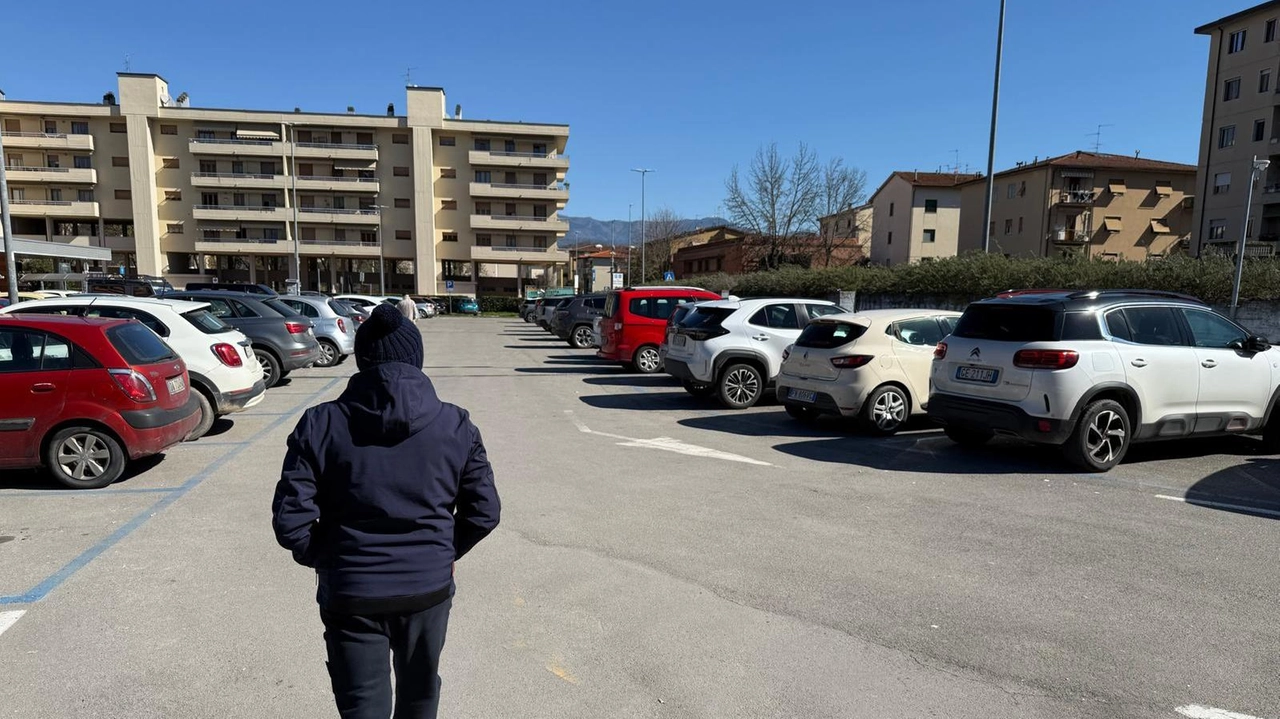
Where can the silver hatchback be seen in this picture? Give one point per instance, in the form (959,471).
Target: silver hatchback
(335,330)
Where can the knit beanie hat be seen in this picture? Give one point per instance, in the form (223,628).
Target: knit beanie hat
(388,337)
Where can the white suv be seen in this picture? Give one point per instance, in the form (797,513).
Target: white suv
(1094,372)
(220,360)
(733,348)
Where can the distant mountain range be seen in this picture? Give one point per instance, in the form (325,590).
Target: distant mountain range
(583,230)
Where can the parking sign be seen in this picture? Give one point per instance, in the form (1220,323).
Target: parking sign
(448,285)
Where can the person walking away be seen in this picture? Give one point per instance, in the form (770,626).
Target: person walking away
(382,490)
(408,308)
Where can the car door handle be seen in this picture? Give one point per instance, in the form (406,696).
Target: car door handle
(43,387)
(1209,363)
(762,338)
(1139,362)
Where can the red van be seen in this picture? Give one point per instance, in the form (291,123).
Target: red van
(635,321)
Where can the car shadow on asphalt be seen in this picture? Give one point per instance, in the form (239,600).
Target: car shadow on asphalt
(929,452)
(1251,488)
(572,369)
(40,479)
(221,425)
(645,401)
(634,380)
(780,424)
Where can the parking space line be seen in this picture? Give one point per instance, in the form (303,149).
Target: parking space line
(1223,505)
(85,493)
(1195,711)
(8,619)
(53,581)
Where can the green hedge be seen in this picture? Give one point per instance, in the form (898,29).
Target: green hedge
(498,303)
(981,275)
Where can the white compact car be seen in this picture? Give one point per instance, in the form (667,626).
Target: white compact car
(733,348)
(872,365)
(220,360)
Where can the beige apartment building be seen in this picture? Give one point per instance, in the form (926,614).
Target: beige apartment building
(1241,116)
(1087,203)
(852,225)
(191,193)
(917,216)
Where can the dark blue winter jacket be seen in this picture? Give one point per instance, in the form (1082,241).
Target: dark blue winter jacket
(383,489)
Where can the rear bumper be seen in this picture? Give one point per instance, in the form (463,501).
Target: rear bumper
(998,417)
(682,369)
(230,402)
(153,431)
(822,401)
(144,419)
(299,356)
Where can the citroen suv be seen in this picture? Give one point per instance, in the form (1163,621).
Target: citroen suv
(1093,372)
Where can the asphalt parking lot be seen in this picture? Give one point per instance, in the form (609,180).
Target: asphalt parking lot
(660,556)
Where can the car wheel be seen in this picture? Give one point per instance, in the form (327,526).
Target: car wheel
(804,415)
(1101,437)
(886,410)
(341,358)
(648,360)
(84,458)
(698,389)
(270,367)
(740,386)
(329,354)
(968,437)
(581,337)
(207,416)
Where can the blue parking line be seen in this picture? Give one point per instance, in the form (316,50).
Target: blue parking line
(53,581)
(67,494)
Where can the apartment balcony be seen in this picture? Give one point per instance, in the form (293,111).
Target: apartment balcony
(332,215)
(519,223)
(241,213)
(344,248)
(47,141)
(335,151)
(545,161)
(223,147)
(306,248)
(1068,237)
(338,184)
(56,208)
(61,175)
(237,180)
(555,192)
(527,255)
(1077,197)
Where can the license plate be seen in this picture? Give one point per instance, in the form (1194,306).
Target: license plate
(678,341)
(801,395)
(983,375)
(177,385)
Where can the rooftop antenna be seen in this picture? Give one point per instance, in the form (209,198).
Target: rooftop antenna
(957,162)
(1097,138)
(126,62)
(408,76)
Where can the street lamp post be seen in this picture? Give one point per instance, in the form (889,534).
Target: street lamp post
(10,261)
(629,206)
(991,148)
(1259,166)
(643,172)
(382,262)
(296,287)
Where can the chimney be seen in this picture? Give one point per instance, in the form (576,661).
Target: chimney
(351,110)
(391,109)
(184,100)
(457,111)
(108,98)
(1,95)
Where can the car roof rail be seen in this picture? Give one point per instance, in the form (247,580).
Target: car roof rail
(664,287)
(1166,294)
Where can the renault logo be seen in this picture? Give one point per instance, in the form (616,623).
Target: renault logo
(975,353)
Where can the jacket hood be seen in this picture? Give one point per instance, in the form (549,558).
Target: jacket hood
(389,402)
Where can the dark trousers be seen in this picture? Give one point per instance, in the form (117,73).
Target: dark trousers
(364,648)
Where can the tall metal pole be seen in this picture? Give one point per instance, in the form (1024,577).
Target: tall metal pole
(991,148)
(629,247)
(1257,167)
(10,264)
(382,262)
(643,173)
(297,233)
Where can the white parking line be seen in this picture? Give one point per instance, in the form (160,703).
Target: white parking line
(1223,505)
(8,619)
(1195,711)
(666,444)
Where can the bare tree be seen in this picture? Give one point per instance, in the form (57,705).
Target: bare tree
(779,200)
(842,188)
(661,228)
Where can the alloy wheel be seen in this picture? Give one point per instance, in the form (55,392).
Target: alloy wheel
(268,370)
(890,410)
(741,386)
(647,360)
(83,456)
(1105,437)
(328,355)
(582,337)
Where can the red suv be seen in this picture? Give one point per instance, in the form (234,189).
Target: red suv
(635,321)
(84,396)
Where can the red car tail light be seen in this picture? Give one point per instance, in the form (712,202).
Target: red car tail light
(295,328)
(135,386)
(940,352)
(852,361)
(342,326)
(1046,359)
(228,354)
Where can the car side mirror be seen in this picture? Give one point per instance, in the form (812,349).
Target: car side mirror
(1257,343)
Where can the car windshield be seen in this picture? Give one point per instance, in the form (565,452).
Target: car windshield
(828,335)
(1007,323)
(206,322)
(139,345)
(281,308)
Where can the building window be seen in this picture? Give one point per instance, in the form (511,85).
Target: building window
(1231,89)
(539,148)
(930,236)
(484,208)
(450,237)
(540,241)
(308,234)
(891,209)
(1264,81)
(400,171)
(1227,136)
(484,176)
(448,173)
(119,162)
(51,161)
(82,162)
(1222,183)
(930,207)
(339,234)
(1008,227)
(124,195)
(209,199)
(50,127)
(448,204)
(512,241)
(237,199)
(1259,130)
(890,242)
(55,194)
(1270,33)
(119,127)
(509,146)
(368,237)
(271,233)
(204,134)
(173,194)
(1012,190)
(446,141)
(1235,42)
(404,235)
(482,144)
(208,167)
(1217,229)
(402,202)
(174,228)
(84,195)
(168,129)
(266,168)
(169,163)
(399,138)
(484,240)
(1019,225)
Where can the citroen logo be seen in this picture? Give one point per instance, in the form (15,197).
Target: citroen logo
(975,353)
(806,354)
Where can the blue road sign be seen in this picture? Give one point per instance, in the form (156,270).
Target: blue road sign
(448,285)
(668,276)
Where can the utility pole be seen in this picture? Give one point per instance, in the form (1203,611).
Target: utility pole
(297,238)
(1259,167)
(643,172)
(10,264)
(991,148)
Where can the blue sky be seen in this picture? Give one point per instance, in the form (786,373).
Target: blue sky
(688,88)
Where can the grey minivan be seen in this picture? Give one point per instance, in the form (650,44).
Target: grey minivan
(334,327)
(572,320)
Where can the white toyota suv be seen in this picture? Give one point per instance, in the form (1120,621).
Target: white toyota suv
(733,348)
(1094,372)
(220,361)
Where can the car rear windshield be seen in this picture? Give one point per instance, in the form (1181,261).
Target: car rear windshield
(706,318)
(139,345)
(340,308)
(206,322)
(828,335)
(280,307)
(1007,323)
